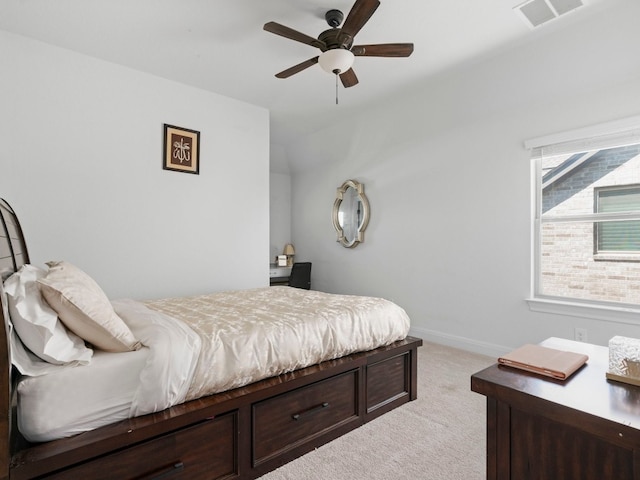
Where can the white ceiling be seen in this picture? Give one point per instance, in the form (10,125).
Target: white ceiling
(220,45)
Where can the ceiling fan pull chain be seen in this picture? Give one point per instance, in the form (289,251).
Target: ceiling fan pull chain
(336,72)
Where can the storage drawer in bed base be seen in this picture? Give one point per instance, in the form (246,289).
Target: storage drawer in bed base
(205,450)
(283,422)
(240,434)
(389,383)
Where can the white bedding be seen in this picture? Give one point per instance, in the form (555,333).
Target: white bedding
(72,400)
(201,345)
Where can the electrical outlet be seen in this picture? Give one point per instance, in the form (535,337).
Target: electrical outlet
(580,334)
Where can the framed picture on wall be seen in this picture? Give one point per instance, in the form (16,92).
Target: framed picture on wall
(181,149)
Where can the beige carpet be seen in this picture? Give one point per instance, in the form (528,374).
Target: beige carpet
(441,435)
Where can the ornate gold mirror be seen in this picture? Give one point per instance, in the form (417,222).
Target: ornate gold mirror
(350,213)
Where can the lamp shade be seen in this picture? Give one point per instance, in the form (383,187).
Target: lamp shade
(289,250)
(337,60)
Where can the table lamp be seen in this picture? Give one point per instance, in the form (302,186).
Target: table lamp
(289,251)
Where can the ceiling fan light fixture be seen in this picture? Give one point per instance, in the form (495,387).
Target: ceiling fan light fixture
(337,60)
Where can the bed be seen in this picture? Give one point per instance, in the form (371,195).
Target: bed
(167,398)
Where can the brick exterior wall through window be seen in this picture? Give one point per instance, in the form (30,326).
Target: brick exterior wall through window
(569,266)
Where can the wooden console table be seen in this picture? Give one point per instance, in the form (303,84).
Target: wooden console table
(538,428)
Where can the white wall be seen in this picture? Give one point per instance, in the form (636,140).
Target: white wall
(280,213)
(81,163)
(279,201)
(448,180)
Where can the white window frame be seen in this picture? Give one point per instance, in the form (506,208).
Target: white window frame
(618,133)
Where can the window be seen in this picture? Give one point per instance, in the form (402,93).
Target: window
(587,220)
(618,236)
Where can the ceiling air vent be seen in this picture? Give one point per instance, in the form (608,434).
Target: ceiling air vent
(537,12)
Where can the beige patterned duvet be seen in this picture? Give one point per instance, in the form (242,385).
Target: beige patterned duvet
(253,334)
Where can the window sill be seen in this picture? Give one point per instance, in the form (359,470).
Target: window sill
(616,257)
(619,314)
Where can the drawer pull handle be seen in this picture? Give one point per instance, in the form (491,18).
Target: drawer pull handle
(171,470)
(296,416)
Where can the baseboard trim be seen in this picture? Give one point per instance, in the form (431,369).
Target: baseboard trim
(463,343)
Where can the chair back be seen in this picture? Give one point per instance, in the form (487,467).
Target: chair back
(300,275)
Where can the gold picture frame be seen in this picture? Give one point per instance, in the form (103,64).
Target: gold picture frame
(181,149)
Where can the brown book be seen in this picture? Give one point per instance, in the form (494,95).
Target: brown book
(544,360)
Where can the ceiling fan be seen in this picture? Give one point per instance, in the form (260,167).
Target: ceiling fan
(336,44)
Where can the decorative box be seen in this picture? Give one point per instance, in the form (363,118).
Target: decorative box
(624,360)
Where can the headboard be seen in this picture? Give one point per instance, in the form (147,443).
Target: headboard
(13,249)
(13,254)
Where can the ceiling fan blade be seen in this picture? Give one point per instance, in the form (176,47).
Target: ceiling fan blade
(349,78)
(297,68)
(383,50)
(292,34)
(359,15)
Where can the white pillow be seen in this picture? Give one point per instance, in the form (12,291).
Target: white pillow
(37,324)
(85,309)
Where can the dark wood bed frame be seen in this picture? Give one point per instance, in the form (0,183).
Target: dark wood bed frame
(239,434)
